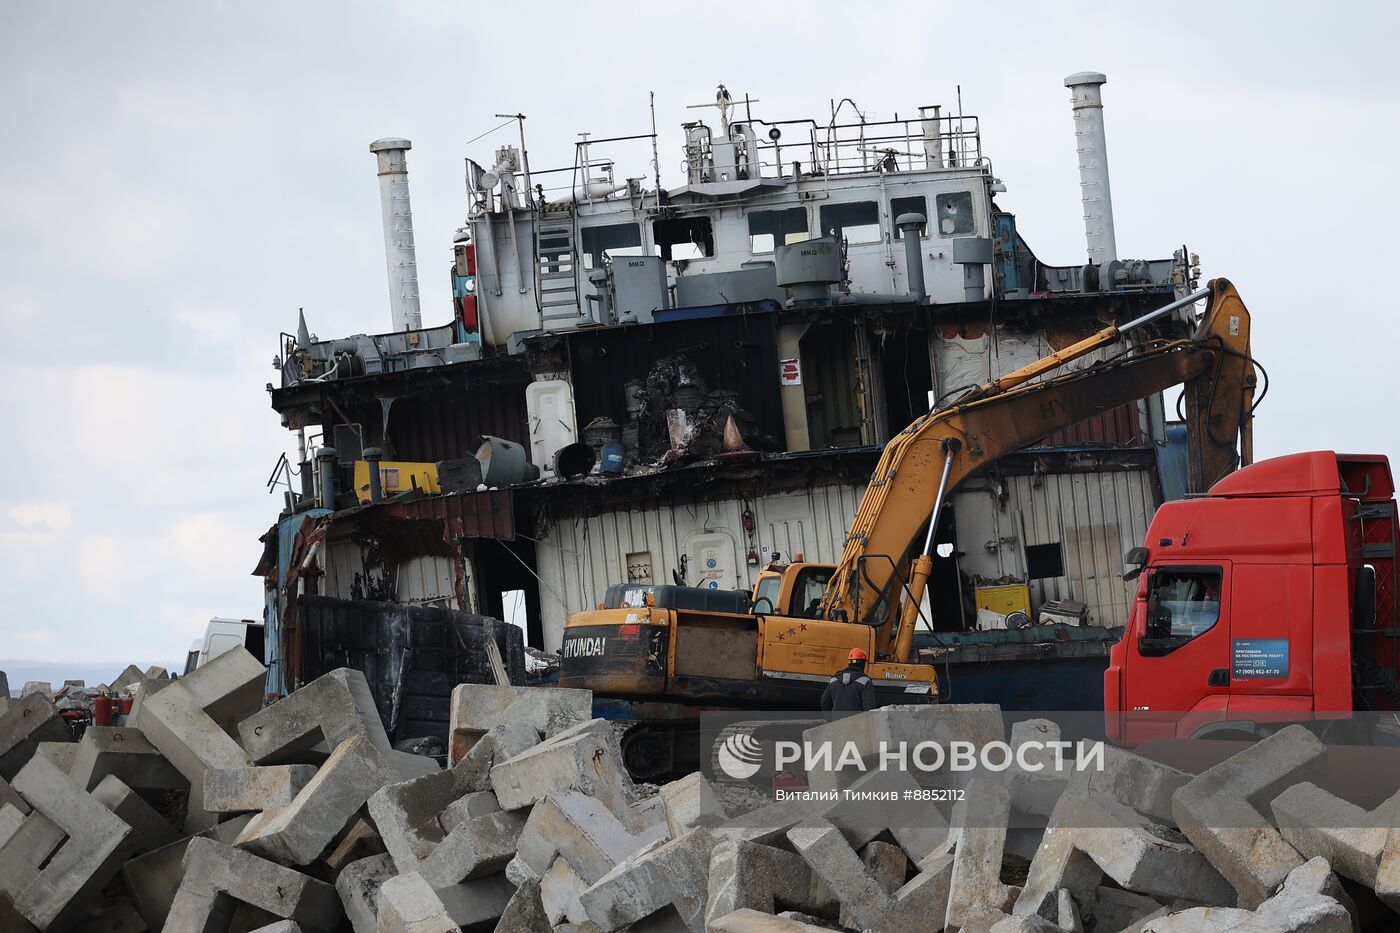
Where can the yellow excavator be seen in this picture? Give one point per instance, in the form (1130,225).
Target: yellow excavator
(777,647)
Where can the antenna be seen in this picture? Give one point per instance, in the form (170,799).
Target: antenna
(724,103)
(655,156)
(524,153)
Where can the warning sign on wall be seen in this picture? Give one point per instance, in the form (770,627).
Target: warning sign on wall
(790,372)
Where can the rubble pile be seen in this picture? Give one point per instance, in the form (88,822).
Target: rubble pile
(678,416)
(210,813)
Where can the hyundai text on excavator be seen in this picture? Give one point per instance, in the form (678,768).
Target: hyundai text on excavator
(704,648)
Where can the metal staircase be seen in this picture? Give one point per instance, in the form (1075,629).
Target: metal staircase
(557,270)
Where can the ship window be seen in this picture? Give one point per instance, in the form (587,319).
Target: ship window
(684,237)
(768,229)
(955,214)
(858,222)
(1182,604)
(609,240)
(916,205)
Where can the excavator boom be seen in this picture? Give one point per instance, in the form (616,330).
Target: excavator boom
(880,566)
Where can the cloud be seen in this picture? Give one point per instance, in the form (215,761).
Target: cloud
(41,517)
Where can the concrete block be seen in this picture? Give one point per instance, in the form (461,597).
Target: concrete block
(981,819)
(478,708)
(560,890)
(130,676)
(691,802)
(156,672)
(332,708)
(154,878)
(1301,905)
(1214,811)
(587,760)
(189,721)
(1388,872)
(747,875)
(7,795)
(1317,823)
(214,873)
(31,720)
(56,898)
(281,926)
(669,873)
(887,864)
(406,815)
(296,834)
(5,698)
(26,842)
(467,807)
(753,921)
(581,830)
(1141,783)
(1070,919)
(358,885)
(477,905)
(358,841)
(244,790)
(150,830)
(927,895)
(1029,923)
(126,753)
(1149,858)
(60,753)
(502,743)
(32,687)
(408,904)
(1036,787)
(474,849)
(1116,909)
(525,913)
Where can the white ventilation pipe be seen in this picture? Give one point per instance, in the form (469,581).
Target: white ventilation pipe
(1092,148)
(399,254)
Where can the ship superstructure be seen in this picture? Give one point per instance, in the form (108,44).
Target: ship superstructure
(647,384)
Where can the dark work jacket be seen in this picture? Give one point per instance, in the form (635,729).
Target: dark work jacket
(851,689)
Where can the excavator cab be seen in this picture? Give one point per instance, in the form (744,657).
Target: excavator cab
(796,590)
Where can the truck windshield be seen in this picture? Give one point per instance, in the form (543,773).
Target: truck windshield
(1183,603)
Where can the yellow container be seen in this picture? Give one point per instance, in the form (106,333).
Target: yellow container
(397,476)
(1004,598)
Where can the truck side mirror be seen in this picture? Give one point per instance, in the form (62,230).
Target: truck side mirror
(1135,560)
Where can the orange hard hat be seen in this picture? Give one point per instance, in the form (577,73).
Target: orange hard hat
(857,654)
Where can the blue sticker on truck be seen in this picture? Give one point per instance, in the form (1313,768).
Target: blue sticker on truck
(1259,657)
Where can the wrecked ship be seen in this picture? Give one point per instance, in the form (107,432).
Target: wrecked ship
(645,384)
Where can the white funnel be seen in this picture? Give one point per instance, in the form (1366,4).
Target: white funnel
(1090,143)
(398,232)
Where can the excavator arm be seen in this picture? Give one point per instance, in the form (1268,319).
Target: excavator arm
(881,574)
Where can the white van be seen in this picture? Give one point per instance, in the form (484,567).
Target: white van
(224,635)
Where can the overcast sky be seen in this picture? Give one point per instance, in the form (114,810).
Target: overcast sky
(177,179)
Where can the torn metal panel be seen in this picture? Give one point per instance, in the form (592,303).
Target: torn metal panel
(412,656)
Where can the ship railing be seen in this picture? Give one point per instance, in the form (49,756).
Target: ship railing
(904,145)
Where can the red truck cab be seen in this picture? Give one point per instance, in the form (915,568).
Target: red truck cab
(1271,598)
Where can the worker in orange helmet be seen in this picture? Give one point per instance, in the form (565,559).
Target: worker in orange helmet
(851,689)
